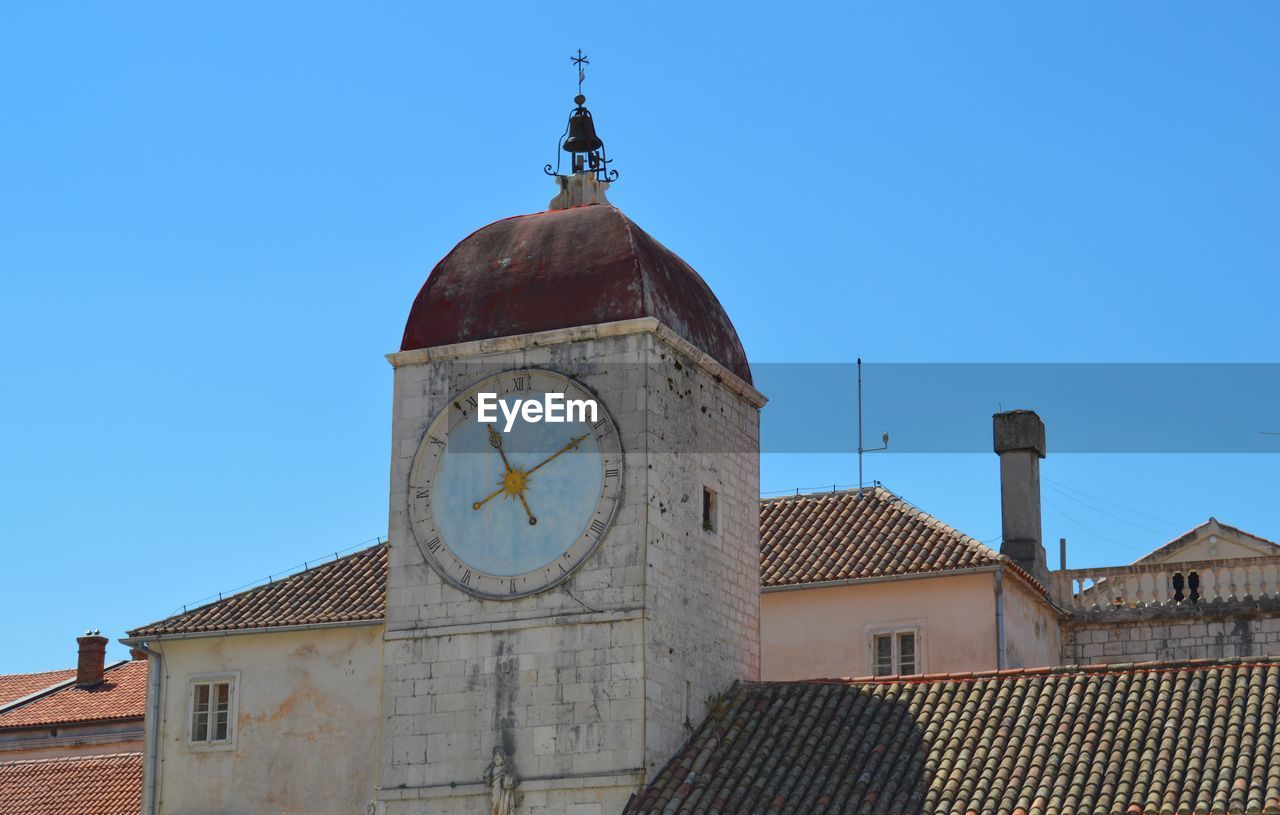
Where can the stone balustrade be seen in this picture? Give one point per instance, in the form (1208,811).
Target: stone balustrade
(1162,585)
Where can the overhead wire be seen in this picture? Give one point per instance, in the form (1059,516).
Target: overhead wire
(1115,505)
(1087,505)
(1092,531)
(292,570)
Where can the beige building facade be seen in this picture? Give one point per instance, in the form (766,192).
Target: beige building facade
(940,618)
(268,702)
(941,602)
(304,708)
(864,584)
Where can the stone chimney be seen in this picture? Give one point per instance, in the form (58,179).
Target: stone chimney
(93,659)
(1019,441)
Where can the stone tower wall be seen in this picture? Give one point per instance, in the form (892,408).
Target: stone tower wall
(584,685)
(702,596)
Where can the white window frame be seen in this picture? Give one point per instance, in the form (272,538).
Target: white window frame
(914,627)
(230,677)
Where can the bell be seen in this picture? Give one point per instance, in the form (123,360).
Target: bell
(582,136)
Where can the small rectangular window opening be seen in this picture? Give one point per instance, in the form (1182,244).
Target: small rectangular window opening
(906,653)
(708,509)
(211,712)
(894,654)
(884,655)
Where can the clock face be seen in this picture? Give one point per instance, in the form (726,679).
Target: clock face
(505,512)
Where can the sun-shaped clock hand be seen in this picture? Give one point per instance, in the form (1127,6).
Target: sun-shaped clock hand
(513,482)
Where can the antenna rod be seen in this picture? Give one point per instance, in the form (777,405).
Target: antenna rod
(859,428)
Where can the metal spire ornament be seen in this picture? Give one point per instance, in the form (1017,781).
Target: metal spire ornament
(580,60)
(579,139)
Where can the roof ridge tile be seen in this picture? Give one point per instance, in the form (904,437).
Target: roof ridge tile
(351,588)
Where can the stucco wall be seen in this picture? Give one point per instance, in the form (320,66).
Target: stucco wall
(307,721)
(825,632)
(1032,627)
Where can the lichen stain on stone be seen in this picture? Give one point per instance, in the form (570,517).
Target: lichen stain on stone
(506,680)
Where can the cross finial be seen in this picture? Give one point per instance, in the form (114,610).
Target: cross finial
(580,60)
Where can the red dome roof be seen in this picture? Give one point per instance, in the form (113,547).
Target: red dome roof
(563,269)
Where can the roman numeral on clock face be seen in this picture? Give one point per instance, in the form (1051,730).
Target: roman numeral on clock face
(466,578)
(611,472)
(434,544)
(471,403)
(597,526)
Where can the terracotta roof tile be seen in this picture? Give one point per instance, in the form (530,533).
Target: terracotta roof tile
(1192,738)
(350,589)
(16,686)
(80,785)
(121,695)
(803,539)
(838,536)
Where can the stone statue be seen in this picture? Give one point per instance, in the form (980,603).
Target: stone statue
(501,778)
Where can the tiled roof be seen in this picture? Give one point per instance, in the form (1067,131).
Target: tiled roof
(349,589)
(80,785)
(121,695)
(838,536)
(803,539)
(1194,738)
(16,686)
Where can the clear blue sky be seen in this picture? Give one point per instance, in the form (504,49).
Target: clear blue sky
(214,219)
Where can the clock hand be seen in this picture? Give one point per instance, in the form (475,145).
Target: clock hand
(508,489)
(499,491)
(514,482)
(495,439)
(572,445)
(489,497)
(532,520)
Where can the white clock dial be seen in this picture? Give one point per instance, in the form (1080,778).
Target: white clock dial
(505,512)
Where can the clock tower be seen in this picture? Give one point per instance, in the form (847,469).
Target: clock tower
(566,598)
